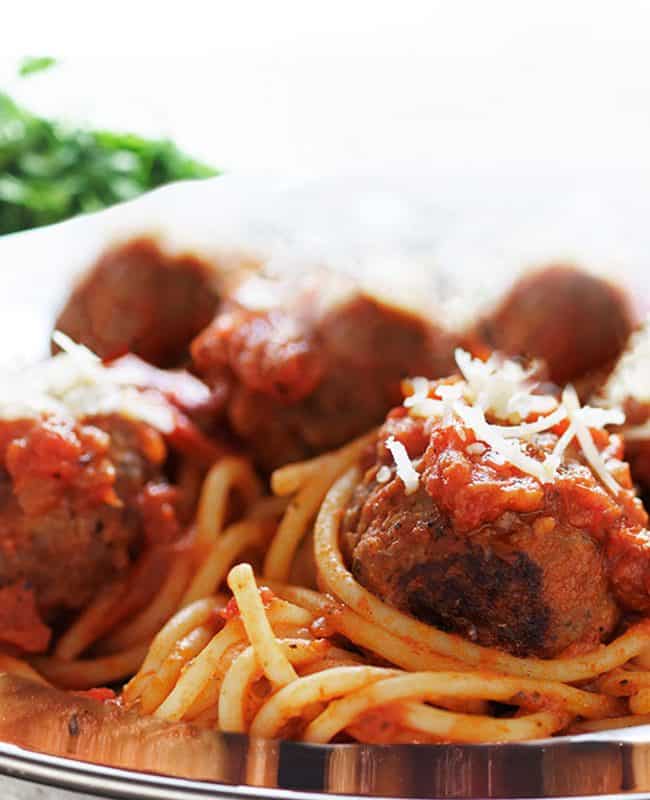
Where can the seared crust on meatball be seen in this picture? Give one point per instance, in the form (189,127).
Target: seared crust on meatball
(138,299)
(510,585)
(576,322)
(297,381)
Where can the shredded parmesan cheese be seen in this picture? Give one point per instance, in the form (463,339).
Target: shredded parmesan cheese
(424,406)
(383,474)
(552,462)
(509,449)
(579,417)
(631,377)
(76,384)
(421,387)
(429,407)
(526,429)
(502,387)
(405,469)
(630,380)
(505,391)
(476,448)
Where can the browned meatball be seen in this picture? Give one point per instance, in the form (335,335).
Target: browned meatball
(482,549)
(297,380)
(69,514)
(498,587)
(576,322)
(138,299)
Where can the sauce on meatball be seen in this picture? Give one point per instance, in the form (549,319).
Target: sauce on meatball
(303,377)
(483,548)
(68,513)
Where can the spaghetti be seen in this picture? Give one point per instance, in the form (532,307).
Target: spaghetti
(194,568)
(226,640)
(324,689)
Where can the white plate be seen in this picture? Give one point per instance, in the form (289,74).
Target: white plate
(443,241)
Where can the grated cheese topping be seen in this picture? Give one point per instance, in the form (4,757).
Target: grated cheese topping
(405,469)
(476,448)
(509,449)
(631,377)
(502,387)
(383,474)
(76,384)
(505,391)
(579,421)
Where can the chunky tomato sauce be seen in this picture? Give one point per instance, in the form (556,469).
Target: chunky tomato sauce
(476,486)
(78,502)
(55,455)
(231,611)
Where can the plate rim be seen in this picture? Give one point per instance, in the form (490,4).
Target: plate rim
(102,780)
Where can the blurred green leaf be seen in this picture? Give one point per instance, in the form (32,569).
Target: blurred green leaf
(31,65)
(50,171)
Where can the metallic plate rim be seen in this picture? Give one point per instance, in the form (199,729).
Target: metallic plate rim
(100,780)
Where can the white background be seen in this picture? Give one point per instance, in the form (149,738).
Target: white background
(518,132)
(345,86)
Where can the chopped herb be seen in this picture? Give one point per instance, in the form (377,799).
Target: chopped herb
(50,171)
(31,65)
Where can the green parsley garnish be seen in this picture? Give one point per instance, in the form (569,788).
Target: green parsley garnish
(50,171)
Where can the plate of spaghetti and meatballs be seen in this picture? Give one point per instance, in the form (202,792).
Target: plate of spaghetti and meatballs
(262,524)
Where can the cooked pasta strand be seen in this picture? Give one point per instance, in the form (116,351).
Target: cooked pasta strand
(275,664)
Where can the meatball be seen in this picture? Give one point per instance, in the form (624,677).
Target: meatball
(483,549)
(69,514)
(299,378)
(576,322)
(138,299)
